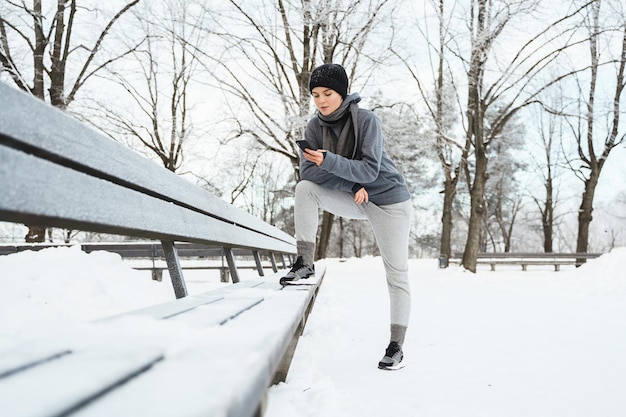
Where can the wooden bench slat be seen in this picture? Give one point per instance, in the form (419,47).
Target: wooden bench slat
(180,306)
(29,197)
(171,309)
(59,386)
(20,357)
(219,312)
(60,135)
(219,374)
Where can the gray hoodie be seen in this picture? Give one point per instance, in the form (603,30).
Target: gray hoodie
(375,170)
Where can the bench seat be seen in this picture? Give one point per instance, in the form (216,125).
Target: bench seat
(212,354)
(526,259)
(525,262)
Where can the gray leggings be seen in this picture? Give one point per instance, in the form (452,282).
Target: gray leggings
(390,224)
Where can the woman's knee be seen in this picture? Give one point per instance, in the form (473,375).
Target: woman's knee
(304,186)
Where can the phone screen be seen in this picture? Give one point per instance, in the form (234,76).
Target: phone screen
(303,144)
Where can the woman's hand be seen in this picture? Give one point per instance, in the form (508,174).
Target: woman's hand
(361,196)
(317,157)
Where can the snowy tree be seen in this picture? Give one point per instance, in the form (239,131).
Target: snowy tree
(443,113)
(510,82)
(161,82)
(503,196)
(546,160)
(479,62)
(597,128)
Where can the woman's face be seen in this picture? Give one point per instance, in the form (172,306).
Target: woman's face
(326,100)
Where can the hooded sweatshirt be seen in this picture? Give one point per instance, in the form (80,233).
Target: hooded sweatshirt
(372,168)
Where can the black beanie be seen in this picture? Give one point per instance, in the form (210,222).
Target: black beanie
(331,76)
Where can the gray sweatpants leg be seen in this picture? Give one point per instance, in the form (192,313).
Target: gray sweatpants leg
(390,224)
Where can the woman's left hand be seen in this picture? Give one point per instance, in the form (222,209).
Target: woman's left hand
(361,196)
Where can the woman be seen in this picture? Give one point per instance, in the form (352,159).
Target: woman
(347,172)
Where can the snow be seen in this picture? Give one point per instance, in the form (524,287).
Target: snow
(504,344)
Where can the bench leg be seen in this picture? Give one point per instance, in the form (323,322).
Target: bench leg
(230,259)
(273,261)
(224,275)
(173,265)
(493,267)
(524,267)
(557,267)
(157,274)
(257,261)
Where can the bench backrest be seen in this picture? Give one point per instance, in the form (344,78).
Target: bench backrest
(57,172)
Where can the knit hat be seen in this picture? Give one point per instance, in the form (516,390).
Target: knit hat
(332,76)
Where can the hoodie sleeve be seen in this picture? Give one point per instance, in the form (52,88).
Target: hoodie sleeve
(366,169)
(311,172)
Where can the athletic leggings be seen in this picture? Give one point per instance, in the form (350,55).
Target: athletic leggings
(390,224)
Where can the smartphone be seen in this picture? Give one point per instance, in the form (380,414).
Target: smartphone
(303,144)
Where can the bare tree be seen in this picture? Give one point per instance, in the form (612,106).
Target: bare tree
(55,56)
(502,194)
(513,88)
(588,131)
(546,162)
(158,114)
(258,182)
(451,152)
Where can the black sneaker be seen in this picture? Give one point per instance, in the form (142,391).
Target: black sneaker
(299,270)
(393,357)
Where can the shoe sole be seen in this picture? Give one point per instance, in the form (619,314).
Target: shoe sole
(392,368)
(284,281)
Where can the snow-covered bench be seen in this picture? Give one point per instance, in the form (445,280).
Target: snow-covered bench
(56,172)
(213,354)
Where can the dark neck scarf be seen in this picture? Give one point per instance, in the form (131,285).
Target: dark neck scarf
(346,144)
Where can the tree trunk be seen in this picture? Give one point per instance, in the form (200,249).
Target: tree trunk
(58,58)
(477,205)
(341,237)
(547,217)
(475,134)
(449,191)
(324,237)
(585,217)
(35,234)
(39,51)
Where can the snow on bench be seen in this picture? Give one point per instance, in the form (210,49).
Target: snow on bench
(213,354)
(56,172)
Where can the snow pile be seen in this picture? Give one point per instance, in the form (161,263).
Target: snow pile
(62,286)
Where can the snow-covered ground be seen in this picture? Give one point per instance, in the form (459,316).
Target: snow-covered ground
(491,344)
